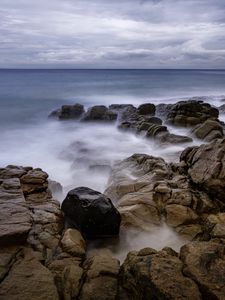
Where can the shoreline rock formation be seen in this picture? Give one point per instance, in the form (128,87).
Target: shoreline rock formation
(43,258)
(151,121)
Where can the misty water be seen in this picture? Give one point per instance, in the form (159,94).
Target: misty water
(82,154)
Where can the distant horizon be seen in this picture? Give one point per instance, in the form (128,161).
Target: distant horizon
(111,69)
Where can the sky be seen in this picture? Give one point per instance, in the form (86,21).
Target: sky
(112,34)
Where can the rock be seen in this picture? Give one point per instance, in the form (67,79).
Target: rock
(99,113)
(34,180)
(28,279)
(205,264)
(119,107)
(68,112)
(73,243)
(178,214)
(149,274)
(169,138)
(15,218)
(12,172)
(146,109)
(190,113)
(68,275)
(91,212)
(209,130)
(101,278)
(206,167)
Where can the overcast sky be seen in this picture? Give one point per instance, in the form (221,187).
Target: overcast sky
(112,33)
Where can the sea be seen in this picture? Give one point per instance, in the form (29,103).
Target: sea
(71,152)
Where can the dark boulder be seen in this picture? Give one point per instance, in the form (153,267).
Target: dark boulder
(146,109)
(91,212)
(190,113)
(68,112)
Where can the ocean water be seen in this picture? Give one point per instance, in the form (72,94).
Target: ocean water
(79,154)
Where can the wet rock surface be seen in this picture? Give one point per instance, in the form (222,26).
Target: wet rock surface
(91,212)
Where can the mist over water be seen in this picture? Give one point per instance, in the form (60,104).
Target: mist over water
(82,154)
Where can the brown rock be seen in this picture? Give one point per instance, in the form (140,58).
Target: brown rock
(156,275)
(204,263)
(73,243)
(101,278)
(28,279)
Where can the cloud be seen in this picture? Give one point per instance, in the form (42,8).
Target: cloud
(108,34)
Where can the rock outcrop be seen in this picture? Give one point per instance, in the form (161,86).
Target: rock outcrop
(67,112)
(209,131)
(91,212)
(148,191)
(149,274)
(190,113)
(99,113)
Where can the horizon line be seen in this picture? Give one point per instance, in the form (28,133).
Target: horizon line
(111,69)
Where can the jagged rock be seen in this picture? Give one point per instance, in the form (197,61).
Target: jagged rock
(147,190)
(209,130)
(190,113)
(205,264)
(69,112)
(146,109)
(206,167)
(149,274)
(91,212)
(73,243)
(101,282)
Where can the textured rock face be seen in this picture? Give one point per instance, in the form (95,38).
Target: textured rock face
(15,219)
(91,212)
(206,167)
(209,131)
(204,262)
(101,273)
(48,262)
(148,274)
(147,191)
(28,279)
(190,113)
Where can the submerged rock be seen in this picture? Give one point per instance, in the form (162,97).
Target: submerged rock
(91,212)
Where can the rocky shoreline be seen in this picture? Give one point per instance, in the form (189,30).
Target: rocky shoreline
(44,248)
